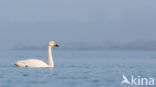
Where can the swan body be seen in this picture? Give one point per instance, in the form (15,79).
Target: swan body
(31,63)
(36,63)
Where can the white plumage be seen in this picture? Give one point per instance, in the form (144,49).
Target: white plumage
(36,63)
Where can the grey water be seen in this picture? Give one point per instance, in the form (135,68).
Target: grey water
(77,68)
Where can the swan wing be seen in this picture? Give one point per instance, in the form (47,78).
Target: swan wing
(31,63)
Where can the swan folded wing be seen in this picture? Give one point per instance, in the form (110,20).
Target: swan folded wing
(31,63)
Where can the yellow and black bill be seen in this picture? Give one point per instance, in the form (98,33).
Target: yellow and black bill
(56,45)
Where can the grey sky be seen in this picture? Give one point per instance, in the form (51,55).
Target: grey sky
(38,21)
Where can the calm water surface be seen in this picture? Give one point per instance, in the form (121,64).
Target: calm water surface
(77,68)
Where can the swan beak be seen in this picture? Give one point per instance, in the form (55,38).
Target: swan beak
(56,45)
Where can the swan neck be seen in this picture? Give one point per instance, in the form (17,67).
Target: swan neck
(50,58)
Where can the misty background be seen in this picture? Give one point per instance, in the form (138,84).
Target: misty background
(78,24)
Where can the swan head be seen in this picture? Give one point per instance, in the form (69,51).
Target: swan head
(53,44)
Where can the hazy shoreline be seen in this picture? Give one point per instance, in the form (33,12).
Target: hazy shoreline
(131,46)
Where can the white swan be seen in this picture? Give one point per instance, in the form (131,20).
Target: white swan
(36,63)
